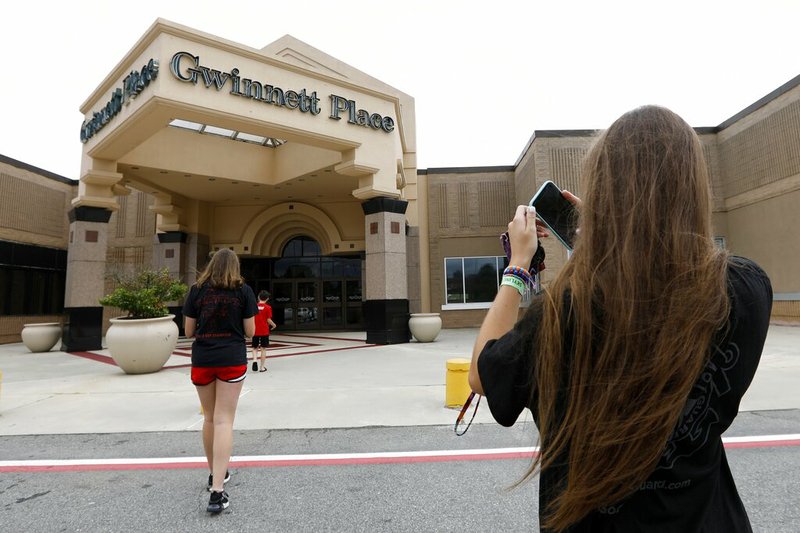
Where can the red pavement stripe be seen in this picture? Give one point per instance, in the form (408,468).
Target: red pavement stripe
(334,459)
(95,357)
(109,361)
(321,337)
(320,351)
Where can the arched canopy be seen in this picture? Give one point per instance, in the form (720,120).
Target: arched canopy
(269,232)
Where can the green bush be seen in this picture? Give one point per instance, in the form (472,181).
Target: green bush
(144,295)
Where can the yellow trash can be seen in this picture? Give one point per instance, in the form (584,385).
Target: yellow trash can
(457,383)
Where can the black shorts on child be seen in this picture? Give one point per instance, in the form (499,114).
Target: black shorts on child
(260,341)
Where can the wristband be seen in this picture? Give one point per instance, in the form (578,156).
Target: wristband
(526,284)
(513,281)
(525,281)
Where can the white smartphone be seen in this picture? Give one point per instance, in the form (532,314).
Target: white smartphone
(558,214)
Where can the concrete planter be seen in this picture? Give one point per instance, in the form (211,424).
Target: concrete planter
(142,345)
(41,337)
(425,327)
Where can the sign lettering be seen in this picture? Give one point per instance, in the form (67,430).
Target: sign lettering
(133,84)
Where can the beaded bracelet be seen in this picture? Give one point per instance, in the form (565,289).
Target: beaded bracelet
(517,271)
(520,273)
(517,283)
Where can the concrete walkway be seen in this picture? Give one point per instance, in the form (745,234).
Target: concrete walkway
(316,380)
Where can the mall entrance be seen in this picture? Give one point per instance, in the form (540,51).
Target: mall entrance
(309,291)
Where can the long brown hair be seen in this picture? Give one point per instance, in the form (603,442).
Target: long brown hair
(641,297)
(222,271)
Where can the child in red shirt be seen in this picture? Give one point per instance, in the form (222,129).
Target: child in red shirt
(263,325)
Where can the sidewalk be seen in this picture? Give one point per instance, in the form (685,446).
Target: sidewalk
(317,380)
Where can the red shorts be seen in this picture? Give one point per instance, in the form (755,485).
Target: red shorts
(204,375)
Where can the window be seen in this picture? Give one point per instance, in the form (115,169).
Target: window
(32,279)
(472,281)
(28,291)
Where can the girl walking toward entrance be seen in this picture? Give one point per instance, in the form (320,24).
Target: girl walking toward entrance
(219,313)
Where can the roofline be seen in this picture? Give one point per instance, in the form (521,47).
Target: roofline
(466,170)
(564,133)
(36,170)
(761,102)
(553,134)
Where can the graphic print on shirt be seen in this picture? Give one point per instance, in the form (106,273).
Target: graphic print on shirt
(694,425)
(214,316)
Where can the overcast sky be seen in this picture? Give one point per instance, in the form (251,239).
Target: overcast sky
(484,75)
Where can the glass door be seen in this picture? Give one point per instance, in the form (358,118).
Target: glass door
(332,302)
(309,291)
(307,305)
(283,304)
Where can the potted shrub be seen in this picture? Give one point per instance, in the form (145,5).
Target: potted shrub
(143,341)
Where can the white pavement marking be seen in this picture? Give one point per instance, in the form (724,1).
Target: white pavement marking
(337,458)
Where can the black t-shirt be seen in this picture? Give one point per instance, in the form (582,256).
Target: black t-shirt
(219,338)
(691,489)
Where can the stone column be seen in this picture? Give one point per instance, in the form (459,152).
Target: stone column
(171,251)
(386,305)
(86,273)
(184,255)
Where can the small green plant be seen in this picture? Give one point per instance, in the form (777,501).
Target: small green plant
(144,295)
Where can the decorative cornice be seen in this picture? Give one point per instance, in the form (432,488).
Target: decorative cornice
(383,204)
(86,213)
(173,236)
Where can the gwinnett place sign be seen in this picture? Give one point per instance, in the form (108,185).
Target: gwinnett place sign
(186,67)
(133,84)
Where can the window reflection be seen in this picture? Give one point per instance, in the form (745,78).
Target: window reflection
(332,291)
(473,279)
(307,291)
(301,247)
(332,316)
(480,279)
(354,290)
(455,280)
(306,315)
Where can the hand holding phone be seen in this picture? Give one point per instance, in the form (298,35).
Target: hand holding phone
(537,261)
(558,214)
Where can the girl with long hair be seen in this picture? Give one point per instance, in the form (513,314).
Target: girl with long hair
(219,313)
(634,359)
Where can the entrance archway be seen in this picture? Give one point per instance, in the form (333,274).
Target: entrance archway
(310,291)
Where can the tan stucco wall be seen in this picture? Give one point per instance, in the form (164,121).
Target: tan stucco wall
(467,212)
(33,210)
(34,207)
(766,231)
(136,148)
(131,234)
(264,229)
